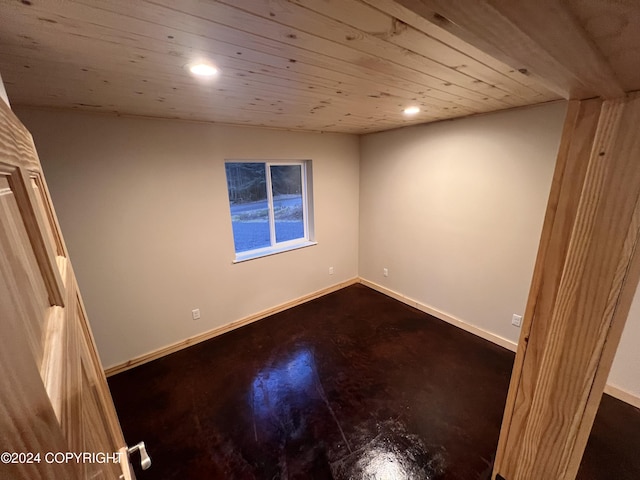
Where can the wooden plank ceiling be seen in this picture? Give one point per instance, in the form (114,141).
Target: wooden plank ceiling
(322,65)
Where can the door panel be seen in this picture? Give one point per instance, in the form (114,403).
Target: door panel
(54,395)
(50,225)
(36,230)
(95,429)
(20,268)
(27,419)
(96,381)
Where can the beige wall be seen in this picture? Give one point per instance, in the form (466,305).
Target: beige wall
(454,210)
(144,210)
(625,373)
(3,93)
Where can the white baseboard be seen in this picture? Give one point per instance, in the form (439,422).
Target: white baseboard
(174,347)
(616,392)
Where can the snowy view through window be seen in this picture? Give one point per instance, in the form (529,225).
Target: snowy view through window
(249,185)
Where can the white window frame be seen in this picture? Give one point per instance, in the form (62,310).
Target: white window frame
(279,247)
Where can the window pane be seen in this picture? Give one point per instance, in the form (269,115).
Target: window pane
(247,185)
(286,183)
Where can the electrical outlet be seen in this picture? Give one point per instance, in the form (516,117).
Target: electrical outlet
(195,313)
(330,270)
(385,272)
(516,320)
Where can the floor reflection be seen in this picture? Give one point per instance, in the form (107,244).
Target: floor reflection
(287,397)
(392,454)
(275,385)
(282,396)
(381,464)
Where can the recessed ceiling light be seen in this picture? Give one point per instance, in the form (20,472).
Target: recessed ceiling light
(203,69)
(411,110)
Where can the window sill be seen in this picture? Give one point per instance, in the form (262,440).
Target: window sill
(265,252)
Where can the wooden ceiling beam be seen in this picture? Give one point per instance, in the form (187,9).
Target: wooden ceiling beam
(539,37)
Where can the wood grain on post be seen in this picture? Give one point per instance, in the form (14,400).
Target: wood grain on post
(586,272)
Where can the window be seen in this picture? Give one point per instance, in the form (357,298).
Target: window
(270,206)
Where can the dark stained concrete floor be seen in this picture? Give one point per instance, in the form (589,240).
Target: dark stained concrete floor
(353,385)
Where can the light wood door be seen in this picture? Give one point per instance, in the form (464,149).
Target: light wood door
(54,398)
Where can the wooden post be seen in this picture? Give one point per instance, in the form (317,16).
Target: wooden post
(585,277)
